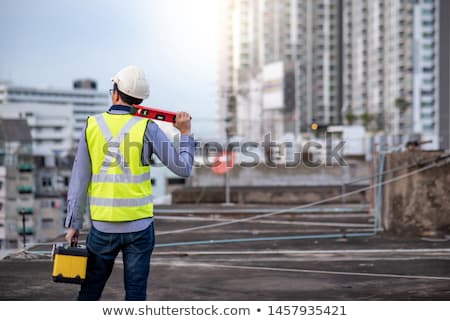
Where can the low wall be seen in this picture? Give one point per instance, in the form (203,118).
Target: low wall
(288,195)
(263,175)
(418,204)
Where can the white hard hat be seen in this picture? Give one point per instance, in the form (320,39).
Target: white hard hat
(131,81)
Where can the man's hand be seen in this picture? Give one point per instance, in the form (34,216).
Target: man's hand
(183,122)
(72,236)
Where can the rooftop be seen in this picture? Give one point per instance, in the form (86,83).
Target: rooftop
(233,262)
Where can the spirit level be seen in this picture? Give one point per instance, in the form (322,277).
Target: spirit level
(153,113)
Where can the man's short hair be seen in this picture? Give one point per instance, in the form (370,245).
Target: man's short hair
(126,98)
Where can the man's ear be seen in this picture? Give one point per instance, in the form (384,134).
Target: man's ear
(115,96)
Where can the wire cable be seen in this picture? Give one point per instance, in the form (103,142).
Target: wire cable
(436,161)
(333,198)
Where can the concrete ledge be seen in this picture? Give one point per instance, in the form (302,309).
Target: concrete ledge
(266,194)
(419,204)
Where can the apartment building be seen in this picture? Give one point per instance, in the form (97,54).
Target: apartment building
(17,217)
(56,116)
(280,65)
(391,73)
(427,34)
(52,177)
(444,74)
(377,63)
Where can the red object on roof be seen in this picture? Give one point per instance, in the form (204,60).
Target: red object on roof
(220,165)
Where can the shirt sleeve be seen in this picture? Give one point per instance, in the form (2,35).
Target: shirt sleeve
(79,182)
(178,161)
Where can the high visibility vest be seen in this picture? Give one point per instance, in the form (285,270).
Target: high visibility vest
(120,189)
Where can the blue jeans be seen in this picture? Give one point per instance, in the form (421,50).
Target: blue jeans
(103,249)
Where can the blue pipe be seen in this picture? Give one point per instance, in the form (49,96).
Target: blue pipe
(303,237)
(379,195)
(275,238)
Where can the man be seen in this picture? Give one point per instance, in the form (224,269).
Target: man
(111,173)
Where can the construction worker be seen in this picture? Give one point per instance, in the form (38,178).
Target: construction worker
(111,174)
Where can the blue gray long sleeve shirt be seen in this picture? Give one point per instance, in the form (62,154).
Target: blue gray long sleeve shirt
(155,141)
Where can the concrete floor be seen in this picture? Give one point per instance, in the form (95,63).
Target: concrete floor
(382,267)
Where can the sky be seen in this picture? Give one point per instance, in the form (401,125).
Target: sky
(50,43)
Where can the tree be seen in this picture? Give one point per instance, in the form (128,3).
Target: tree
(366,119)
(402,104)
(380,122)
(350,117)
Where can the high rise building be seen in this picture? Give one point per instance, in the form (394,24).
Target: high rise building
(443,73)
(426,71)
(391,67)
(374,62)
(378,64)
(320,59)
(280,65)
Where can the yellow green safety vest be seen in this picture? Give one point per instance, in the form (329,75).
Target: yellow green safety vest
(120,189)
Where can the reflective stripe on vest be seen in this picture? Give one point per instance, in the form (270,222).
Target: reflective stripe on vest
(120,202)
(120,189)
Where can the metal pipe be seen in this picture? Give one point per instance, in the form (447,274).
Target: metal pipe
(379,196)
(227,185)
(289,210)
(431,164)
(274,238)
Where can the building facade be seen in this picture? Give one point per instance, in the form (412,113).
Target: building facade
(390,66)
(52,177)
(17,215)
(371,62)
(302,38)
(56,117)
(444,74)
(426,72)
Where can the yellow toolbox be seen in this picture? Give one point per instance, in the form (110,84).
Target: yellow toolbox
(69,263)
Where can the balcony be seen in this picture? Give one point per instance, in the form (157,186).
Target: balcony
(25,189)
(25,168)
(28,231)
(25,210)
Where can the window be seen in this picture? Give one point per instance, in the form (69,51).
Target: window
(427,92)
(176,181)
(427,116)
(46,181)
(1,206)
(47,223)
(1,184)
